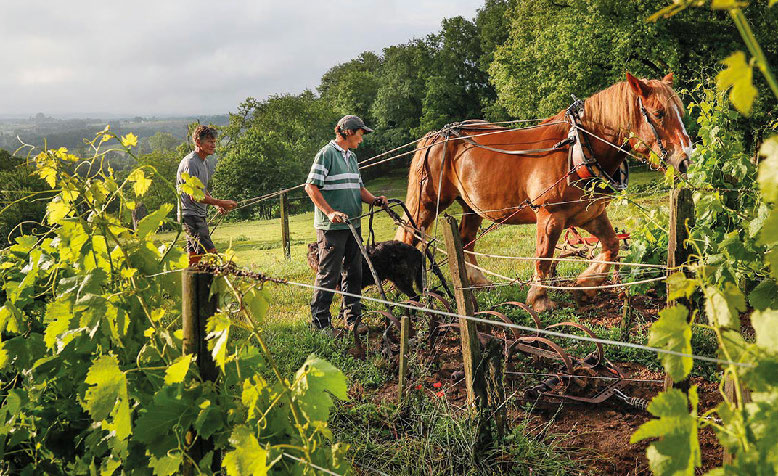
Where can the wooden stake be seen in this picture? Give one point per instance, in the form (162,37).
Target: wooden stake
(626,317)
(285,236)
(197,306)
(405,330)
(471,348)
(681,219)
(729,391)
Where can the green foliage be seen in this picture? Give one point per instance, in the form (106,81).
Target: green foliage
(90,357)
(22,197)
(734,236)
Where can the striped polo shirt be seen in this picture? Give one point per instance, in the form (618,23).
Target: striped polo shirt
(336,173)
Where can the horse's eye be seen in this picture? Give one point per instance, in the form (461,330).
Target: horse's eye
(659,114)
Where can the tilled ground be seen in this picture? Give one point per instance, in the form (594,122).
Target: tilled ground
(595,435)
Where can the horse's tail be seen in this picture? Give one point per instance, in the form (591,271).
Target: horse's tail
(416,177)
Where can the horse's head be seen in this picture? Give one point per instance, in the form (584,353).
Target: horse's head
(656,121)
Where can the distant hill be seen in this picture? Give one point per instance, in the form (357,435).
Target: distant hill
(71,132)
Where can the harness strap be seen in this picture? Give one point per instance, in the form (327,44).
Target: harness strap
(559,145)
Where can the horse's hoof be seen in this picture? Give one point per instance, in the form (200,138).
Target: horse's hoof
(584,296)
(542,304)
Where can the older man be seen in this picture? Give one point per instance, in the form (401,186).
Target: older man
(335,187)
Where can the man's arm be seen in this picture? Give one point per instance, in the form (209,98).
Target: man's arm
(368,197)
(318,199)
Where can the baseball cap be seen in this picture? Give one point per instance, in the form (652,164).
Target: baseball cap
(352,122)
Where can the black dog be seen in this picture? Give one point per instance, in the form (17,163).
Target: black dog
(393,260)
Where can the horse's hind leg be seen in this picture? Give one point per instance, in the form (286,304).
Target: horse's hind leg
(548,232)
(468,230)
(597,273)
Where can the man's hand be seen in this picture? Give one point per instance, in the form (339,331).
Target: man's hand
(337,217)
(226,205)
(380,201)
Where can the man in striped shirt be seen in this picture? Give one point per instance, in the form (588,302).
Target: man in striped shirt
(335,187)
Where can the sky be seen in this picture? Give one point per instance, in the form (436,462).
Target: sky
(171,57)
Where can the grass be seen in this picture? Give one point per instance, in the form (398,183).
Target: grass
(426,436)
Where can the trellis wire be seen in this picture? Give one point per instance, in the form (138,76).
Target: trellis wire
(615,343)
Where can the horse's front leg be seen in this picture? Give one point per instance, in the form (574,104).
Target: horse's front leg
(549,229)
(468,231)
(597,273)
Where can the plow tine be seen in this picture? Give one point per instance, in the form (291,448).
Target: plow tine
(600,351)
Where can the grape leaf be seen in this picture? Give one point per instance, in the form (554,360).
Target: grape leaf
(108,384)
(210,420)
(678,450)
(130,140)
(256,303)
(218,329)
(56,211)
(152,221)
(141,183)
(766,328)
(673,332)
(192,186)
(738,75)
(178,369)
(723,306)
(314,383)
(764,295)
(166,465)
(680,286)
(248,458)
(170,412)
(768,169)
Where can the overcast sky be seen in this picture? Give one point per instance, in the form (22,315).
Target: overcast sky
(190,57)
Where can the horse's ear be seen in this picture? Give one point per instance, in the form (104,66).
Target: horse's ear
(668,79)
(639,87)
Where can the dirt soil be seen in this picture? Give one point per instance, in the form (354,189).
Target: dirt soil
(595,435)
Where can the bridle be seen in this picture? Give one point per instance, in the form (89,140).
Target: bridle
(662,148)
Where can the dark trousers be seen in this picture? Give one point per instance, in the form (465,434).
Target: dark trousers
(338,253)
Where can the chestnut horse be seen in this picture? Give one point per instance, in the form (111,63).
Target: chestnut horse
(537,174)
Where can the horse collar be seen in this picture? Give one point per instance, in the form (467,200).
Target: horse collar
(586,166)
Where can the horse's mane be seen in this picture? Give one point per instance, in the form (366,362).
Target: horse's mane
(617,106)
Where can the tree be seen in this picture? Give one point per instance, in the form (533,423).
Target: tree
(269,145)
(456,86)
(398,105)
(163,141)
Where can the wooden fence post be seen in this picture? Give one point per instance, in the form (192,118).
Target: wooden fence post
(285,236)
(197,305)
(477,363)
(681,219)
(729,391)
(405,329)
(471,348)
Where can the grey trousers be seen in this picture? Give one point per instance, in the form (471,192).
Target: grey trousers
(340,262)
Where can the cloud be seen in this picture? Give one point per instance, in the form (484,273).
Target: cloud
(184,57)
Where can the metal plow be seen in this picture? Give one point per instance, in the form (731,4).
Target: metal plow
(589,380)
